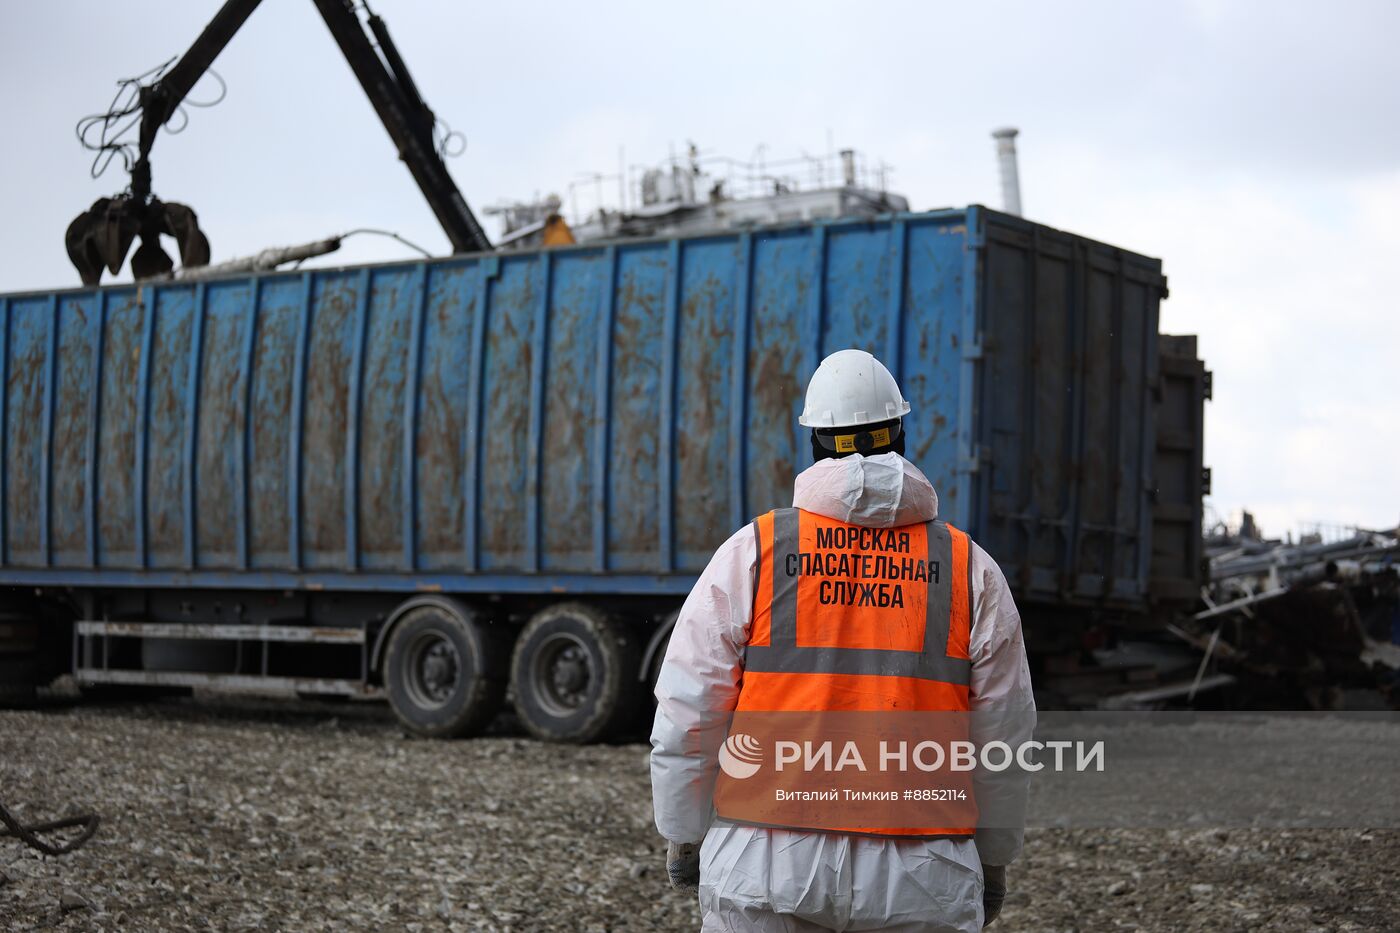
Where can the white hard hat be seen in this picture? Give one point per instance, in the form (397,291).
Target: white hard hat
(850,388)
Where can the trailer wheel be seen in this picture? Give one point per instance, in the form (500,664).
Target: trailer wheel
(574,674)
(442,672)
(656,649)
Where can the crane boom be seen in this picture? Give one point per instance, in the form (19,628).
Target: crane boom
(102,235)
(407,119)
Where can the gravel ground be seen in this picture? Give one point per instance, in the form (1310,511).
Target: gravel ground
(233,814)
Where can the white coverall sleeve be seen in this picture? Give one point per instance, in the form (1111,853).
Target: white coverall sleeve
(698,689)
(1003,707)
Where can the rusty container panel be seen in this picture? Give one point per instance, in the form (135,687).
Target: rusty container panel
(780,345)
(325,391)
(394,301)
(633,450)
(589,419)
(514,325)
(117,430)
(277,324)
(569,421)
(78,325)
(167,414)
(703,498)
(444,390)
(222,390)
(927,344)
(30,329)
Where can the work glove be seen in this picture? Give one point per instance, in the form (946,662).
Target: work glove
(993,892)
(683,865)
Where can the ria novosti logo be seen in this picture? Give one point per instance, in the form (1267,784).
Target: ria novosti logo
(740,756)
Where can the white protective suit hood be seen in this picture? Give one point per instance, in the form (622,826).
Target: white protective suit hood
(883,491)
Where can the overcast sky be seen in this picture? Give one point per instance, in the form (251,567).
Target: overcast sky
(1254,147)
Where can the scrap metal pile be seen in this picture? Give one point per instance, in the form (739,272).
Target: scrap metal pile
(1316,620)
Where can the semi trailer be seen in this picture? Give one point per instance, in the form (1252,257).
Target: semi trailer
(443,481)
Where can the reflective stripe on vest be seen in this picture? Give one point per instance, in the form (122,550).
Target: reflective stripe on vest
(853,618)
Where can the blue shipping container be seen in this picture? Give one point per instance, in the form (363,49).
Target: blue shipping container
(583,420)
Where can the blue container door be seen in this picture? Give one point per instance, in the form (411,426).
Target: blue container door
(1065,427)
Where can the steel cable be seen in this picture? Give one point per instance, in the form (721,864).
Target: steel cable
(29,835)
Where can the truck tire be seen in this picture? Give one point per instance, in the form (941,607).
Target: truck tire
(443,672)
(574,673)
(657,649)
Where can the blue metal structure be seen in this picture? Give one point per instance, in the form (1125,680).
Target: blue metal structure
(591,420)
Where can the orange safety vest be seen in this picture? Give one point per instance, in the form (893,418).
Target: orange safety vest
(850,618)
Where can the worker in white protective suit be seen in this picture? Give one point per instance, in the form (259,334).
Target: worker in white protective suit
(754,877)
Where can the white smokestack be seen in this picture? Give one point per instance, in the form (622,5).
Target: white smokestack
(1010,178)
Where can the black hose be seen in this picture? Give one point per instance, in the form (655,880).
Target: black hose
(29,834)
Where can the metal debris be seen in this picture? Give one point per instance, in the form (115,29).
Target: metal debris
(1310,619)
